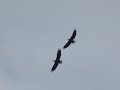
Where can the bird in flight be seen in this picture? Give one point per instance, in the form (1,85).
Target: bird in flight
(71,40)
(57,61)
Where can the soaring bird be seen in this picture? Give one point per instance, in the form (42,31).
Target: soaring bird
(57,61)
(71,40)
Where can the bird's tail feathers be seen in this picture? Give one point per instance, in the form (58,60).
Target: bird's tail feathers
(61,62)
(73,41)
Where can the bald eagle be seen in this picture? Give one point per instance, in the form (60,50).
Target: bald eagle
(57,61)
(71,40)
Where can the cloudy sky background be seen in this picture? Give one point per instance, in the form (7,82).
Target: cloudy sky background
(31,31)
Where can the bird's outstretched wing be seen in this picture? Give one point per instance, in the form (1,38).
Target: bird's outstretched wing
(67,44)
(73,35)
(54,66)
(58,54)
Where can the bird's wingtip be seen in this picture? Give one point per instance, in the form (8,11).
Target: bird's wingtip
(59,49)
(52,70)
(75,29)
(63,48)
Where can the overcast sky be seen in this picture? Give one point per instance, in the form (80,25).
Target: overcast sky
(31,31)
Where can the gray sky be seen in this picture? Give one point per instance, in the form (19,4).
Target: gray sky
(31,31)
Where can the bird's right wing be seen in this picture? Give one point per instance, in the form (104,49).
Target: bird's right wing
(74,34)
(54,66)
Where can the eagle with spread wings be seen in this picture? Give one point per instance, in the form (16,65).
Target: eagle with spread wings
(57,61)
(71,40)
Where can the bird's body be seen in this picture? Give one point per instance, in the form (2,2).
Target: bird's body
(57,61)
(71,40)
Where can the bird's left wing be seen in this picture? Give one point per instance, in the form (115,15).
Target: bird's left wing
(67,44)
(58,54)
(54,66)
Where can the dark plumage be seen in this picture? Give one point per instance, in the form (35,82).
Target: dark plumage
(71,40)
(57,61)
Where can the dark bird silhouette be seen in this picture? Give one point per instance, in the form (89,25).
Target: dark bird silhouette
(57,61)
(71,40)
